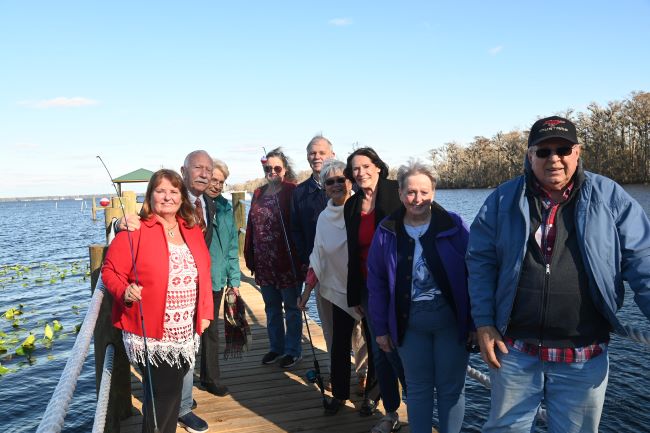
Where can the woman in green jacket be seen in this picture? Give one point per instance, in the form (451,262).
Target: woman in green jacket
(224,256)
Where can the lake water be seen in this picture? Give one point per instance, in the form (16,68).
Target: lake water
(51,240)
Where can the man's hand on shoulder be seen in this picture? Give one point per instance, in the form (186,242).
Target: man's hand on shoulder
(130,222)
(489,338)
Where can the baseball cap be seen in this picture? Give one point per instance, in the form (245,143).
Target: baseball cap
(552,127)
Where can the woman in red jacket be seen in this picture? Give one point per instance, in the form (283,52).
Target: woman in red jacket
(171,279)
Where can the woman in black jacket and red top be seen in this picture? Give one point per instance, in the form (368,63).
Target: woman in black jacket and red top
(377,198)
(267,256)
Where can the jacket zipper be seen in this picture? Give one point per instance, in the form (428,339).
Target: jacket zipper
(547,278)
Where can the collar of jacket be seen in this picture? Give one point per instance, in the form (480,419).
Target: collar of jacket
(152,221)
(384,200)
(221,202)
(312,185)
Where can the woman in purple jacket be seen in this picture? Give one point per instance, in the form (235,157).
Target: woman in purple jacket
(418,301)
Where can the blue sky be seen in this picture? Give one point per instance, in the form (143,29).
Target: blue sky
(144,83)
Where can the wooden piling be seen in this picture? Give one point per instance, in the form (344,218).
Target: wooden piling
(239,211)
(93,211)
(128,200)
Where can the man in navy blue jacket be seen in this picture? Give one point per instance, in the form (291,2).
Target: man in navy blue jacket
(309,198)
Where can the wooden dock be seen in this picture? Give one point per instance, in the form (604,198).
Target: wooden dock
(266,398)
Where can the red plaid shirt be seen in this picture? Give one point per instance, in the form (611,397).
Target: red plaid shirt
(546,233)
(545,237)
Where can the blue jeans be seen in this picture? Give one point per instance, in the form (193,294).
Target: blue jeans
(186,394)
(434,359)
(283,342)
(574,393)
(388,368)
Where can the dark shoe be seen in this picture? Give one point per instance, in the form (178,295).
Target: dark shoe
(218,390)
(388,424)
(332,406)
(194,405)
(193,423)
(368,407)
(289,361)
(270,358)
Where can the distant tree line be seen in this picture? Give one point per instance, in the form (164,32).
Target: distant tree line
(615,139)
(252,185)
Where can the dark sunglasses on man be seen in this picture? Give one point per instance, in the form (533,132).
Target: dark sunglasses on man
(332,180)
(275,168)
(560,151)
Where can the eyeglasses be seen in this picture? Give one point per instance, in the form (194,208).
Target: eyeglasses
(332,180)
(217,182)
(560,151)
(277,168)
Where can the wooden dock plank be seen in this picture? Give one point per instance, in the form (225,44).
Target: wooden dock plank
(266,398)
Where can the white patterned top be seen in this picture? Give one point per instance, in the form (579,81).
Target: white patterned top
(179,339)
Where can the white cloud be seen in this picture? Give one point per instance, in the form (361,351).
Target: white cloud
(61,101)
(495,50)
(25,146)
(340,22)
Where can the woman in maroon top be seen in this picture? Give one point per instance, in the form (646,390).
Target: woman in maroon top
(377,198)
(271,256)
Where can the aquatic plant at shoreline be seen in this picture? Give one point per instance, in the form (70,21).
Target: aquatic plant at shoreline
(25,335)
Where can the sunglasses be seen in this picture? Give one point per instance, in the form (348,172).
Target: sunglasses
(332,180)
(560,151)
(277,168)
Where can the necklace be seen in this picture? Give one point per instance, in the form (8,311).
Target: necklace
(170,230)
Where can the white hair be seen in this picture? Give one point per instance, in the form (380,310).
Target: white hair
(413,167)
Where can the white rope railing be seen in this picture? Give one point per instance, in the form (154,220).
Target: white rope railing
(52,421)
(481,378)
(104,391)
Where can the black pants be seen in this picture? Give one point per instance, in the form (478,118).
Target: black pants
(340,362)
(167,388)
(210,346)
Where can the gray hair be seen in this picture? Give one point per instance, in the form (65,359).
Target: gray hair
(330,166)
(316,139)
(190,156)
(221,166)
(415,167)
